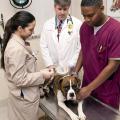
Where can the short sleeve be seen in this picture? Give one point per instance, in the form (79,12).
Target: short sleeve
(114,45)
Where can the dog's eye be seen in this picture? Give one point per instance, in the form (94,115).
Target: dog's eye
(66,88)
(74,87)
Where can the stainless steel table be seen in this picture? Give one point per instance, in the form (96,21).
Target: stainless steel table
(93,109)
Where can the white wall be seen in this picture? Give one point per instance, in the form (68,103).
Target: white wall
(6,9)
(42,10)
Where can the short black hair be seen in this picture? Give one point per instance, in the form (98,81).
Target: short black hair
(91,3)
(62,2)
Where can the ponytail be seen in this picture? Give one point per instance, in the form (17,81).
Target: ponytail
(7,34)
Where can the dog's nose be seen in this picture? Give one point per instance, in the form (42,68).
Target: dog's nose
(71,94)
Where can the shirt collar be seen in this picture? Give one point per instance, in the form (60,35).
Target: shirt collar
(96,29)
(58,21)
(18,39)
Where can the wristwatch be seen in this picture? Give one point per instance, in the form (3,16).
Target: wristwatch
(74,74)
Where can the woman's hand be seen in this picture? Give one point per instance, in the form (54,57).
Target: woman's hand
(47,73)
(51,67)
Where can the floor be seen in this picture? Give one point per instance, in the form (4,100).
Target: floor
(3,110)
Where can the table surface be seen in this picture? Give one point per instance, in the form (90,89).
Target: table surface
(93,109)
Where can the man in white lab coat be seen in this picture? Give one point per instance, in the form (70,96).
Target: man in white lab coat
(59,42)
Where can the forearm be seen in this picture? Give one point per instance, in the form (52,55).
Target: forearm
(79,62)
(104,75)
(25,79)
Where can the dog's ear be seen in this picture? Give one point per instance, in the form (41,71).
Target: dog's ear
(60,83)
(57,82)
(78,81)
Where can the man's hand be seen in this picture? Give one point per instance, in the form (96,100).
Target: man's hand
(84,93)
(75,74)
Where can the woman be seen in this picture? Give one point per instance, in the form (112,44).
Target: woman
(20,67)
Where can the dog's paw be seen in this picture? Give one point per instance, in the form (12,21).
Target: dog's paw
(82,116)
(74,117)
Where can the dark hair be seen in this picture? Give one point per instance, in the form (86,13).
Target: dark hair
(62,2)
(21,18)
(91,2)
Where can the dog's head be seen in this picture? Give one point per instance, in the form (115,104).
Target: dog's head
(69,86)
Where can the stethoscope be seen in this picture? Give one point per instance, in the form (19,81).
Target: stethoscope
(69,22)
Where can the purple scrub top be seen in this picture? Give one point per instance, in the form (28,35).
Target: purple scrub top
(97,50)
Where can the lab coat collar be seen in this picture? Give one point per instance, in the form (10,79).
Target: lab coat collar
(58,21)
(18,39)
(25,44)
(64,22)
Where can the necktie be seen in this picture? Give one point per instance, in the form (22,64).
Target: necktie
(59,29)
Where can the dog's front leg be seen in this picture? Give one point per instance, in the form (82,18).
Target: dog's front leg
(61,103)
(80,111)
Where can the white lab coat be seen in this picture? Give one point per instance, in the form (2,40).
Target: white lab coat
(66,51)
(20,67)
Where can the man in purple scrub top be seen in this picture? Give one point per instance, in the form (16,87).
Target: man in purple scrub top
(100,54)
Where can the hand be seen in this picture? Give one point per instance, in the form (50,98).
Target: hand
(47,73)
(70,70)
(84,93)
(51,67)
(75,74)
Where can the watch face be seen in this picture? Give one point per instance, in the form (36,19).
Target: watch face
(20,2)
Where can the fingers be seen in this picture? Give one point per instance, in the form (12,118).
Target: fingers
(47,73)
(83,93)
(79,97)
(51,73)
(51,67)
(51,70)
(75,74)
